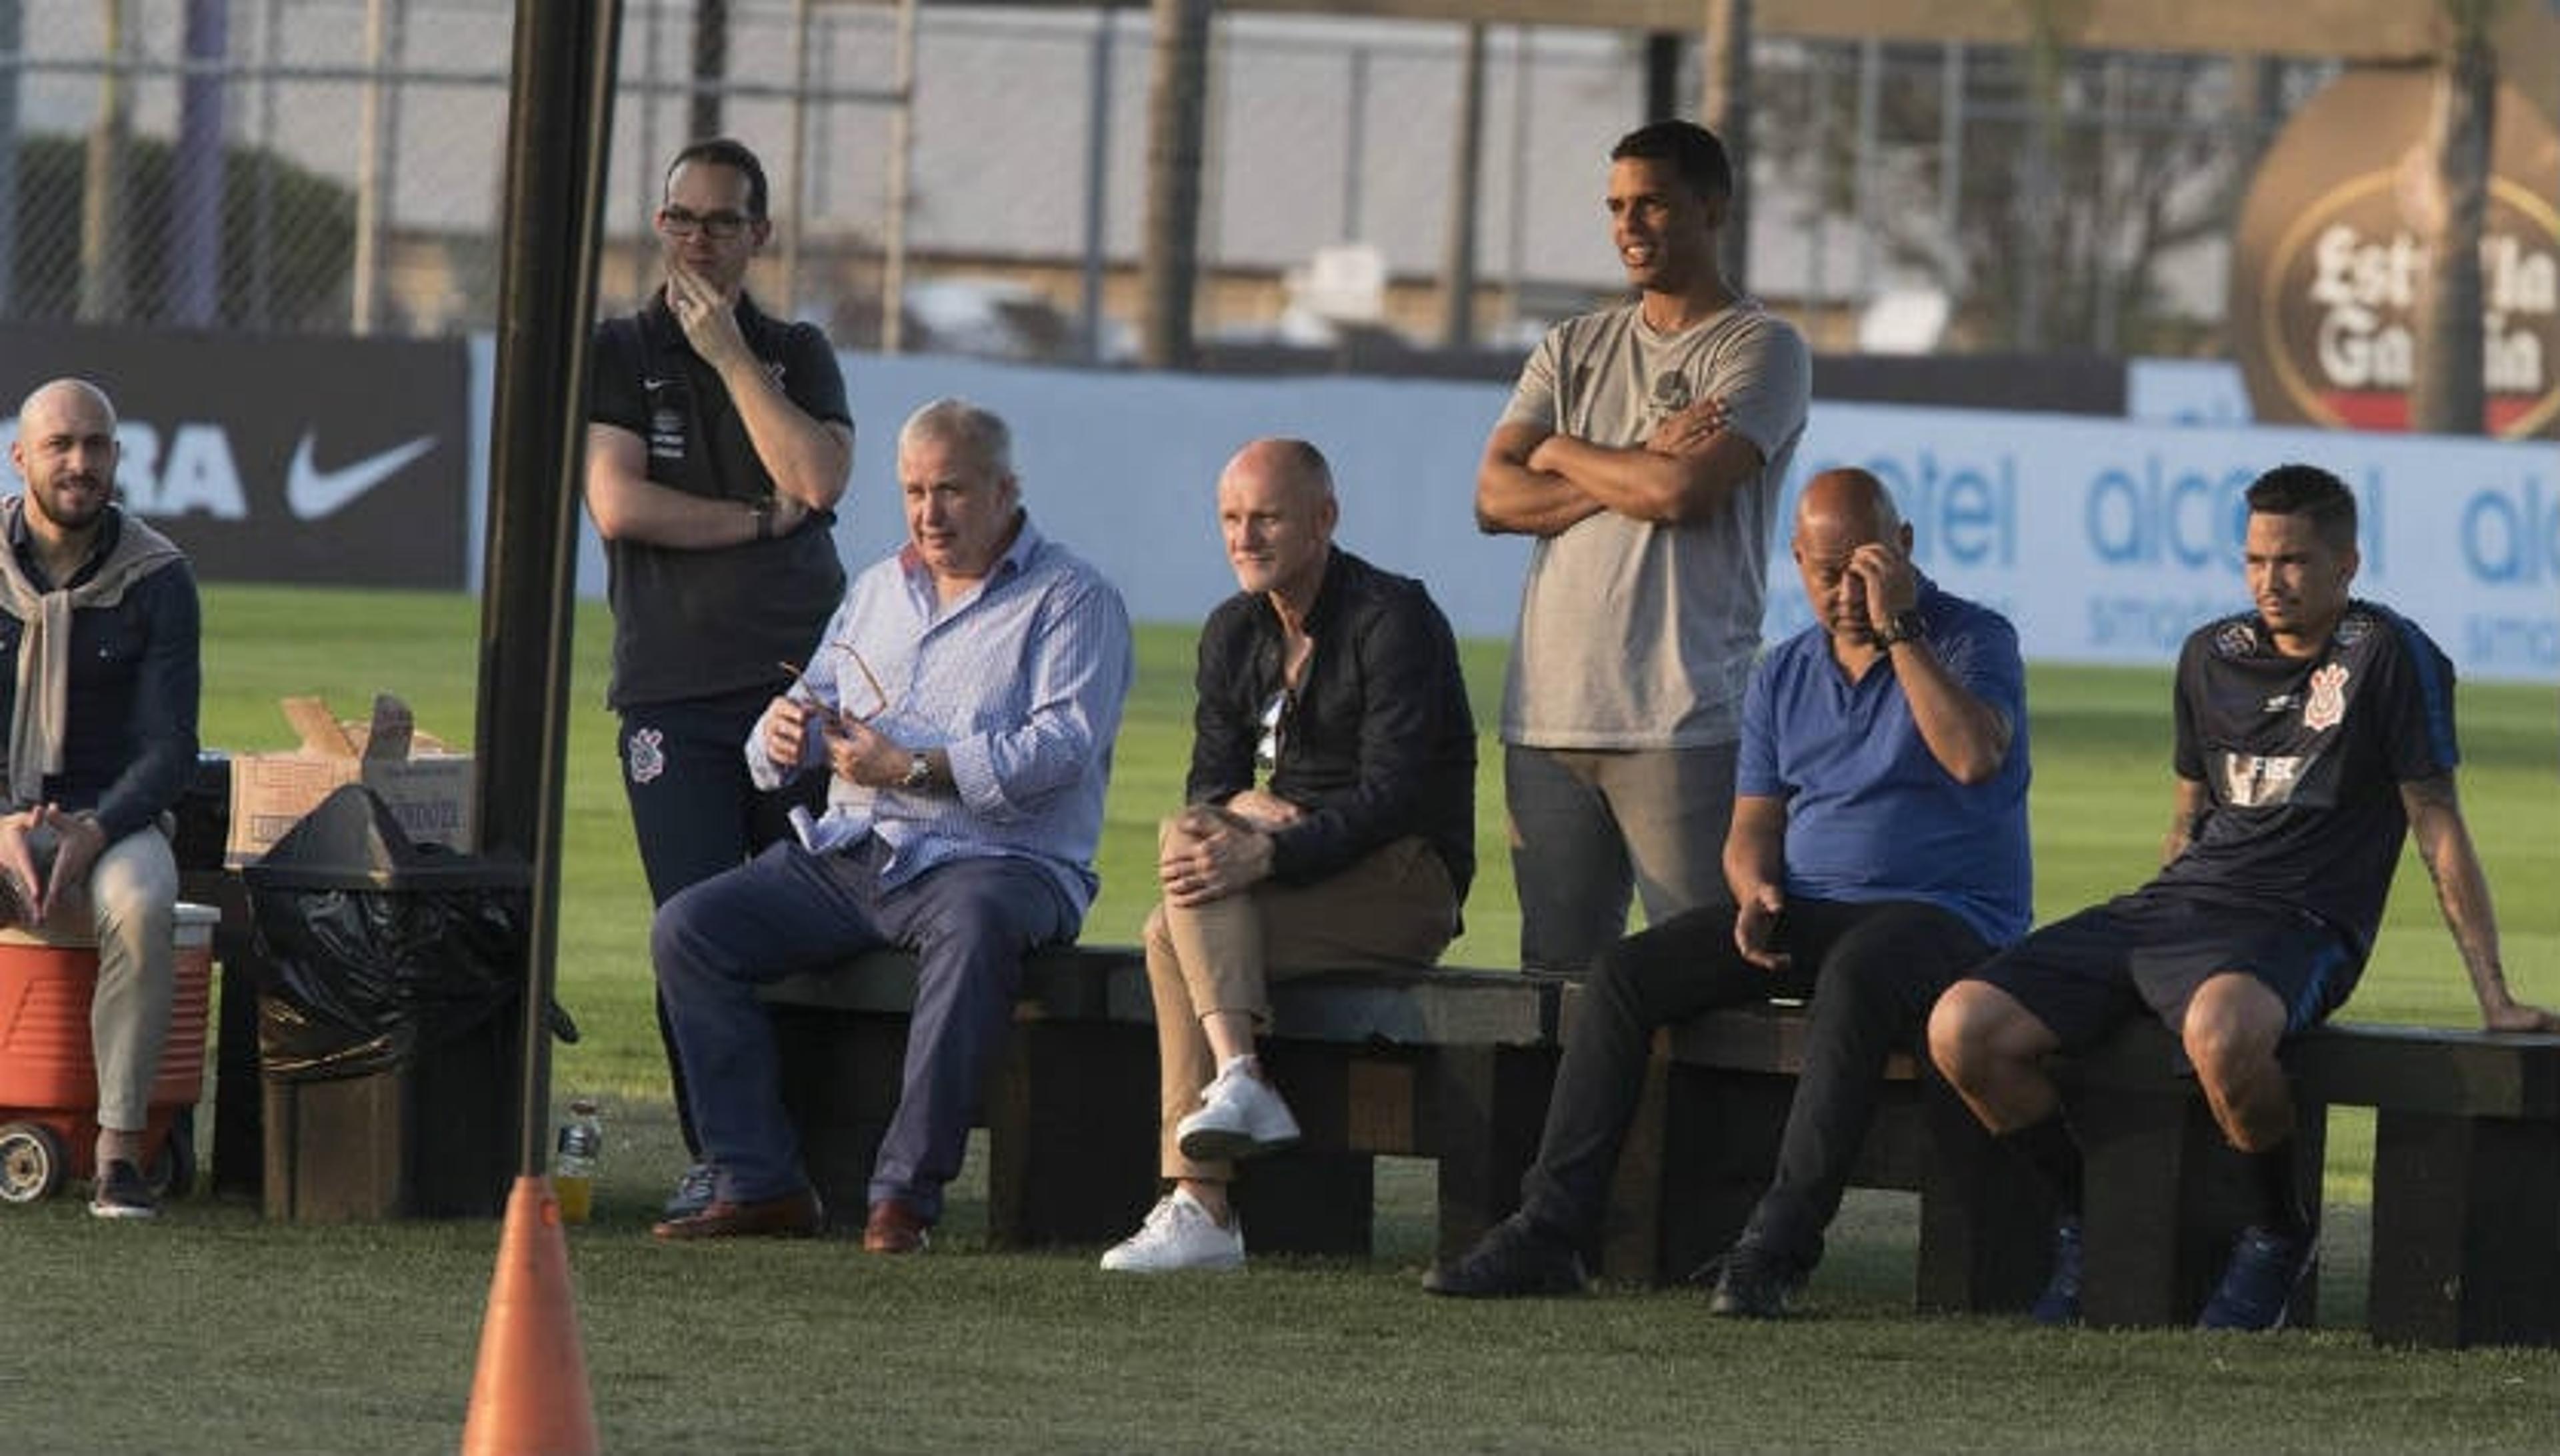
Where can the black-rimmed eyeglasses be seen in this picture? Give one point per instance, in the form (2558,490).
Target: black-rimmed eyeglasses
(720,227)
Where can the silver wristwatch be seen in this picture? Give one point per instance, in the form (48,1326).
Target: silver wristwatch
(920,773)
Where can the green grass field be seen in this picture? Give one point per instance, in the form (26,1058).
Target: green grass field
(212,1331)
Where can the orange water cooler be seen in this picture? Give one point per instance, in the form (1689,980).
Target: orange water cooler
(49,1078)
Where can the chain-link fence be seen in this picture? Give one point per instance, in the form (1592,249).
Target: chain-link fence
(334,165)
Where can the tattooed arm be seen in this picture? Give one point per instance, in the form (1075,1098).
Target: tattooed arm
(2461,890)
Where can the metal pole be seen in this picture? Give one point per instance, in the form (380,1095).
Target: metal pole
(102,240)
(1176,103)
(1523,97)
(12,32)
(649,160)
(1951,170)
(1726,72)
(2103,218)
(1458,263)
(790,296)
(261,247)
(1097,181)
(902,166)
(711,67)
(560,114)
(1354,143)
(196,189)
(1662,75)
(1870,89)
(373,166)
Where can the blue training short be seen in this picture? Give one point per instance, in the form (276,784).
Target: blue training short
(2084,974)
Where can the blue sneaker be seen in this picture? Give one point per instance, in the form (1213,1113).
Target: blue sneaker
(2257,1289)
(2059,1304)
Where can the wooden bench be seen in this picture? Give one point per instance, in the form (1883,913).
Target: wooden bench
(2466,1228)
(1069,1107)
(1444,1063)
(2465,1231)
(1704,1145)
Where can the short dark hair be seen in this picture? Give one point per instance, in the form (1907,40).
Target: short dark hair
(2307,490)
(721,151)
(1691,149)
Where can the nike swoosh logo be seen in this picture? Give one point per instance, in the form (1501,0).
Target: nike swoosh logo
(311,492)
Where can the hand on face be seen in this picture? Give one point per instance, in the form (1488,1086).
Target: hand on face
(708,314)
(1880,579)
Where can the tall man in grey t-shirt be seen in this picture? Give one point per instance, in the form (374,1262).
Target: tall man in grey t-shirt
(1642,448)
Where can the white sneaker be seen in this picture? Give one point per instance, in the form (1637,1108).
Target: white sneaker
(1240,1117)
(1179,1234)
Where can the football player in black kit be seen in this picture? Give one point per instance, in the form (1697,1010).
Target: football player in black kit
(2314,733)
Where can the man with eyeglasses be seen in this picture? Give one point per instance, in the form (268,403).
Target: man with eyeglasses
(960,707)
(717,449)
(1641,452)
(1331,825)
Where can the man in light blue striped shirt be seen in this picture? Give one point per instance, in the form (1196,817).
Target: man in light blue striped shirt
(964,701)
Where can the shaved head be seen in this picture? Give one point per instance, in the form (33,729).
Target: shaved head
(67,454)
(1851,501)
(55,394)
(1276,515)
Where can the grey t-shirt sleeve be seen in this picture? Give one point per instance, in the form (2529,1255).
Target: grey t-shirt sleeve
(1766,380)
(1533,399)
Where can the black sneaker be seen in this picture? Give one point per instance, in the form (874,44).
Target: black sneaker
(2059,1304)
(2257,1289)
(1754,1282)
(123,1194)
(1513,1259)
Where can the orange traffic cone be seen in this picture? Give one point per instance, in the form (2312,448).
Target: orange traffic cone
(530,1395)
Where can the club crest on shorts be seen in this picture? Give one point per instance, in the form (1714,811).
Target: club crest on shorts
(645,756)
(2328,702)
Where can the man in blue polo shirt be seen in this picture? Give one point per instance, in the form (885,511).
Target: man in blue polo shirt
(1878,850)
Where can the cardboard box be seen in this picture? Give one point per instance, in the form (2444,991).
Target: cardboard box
(429,789)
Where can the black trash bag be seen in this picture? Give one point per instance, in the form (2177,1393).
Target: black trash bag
(373,950)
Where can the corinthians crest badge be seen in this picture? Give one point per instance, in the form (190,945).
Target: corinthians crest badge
(2328,702)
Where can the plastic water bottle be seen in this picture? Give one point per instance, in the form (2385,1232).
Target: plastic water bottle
(581,1151)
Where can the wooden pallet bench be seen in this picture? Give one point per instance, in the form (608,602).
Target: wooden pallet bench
(1444,1063)
(2465,1225)
(2466,1231)
(1704,1145)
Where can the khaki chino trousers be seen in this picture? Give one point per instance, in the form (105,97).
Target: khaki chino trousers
(1394,910)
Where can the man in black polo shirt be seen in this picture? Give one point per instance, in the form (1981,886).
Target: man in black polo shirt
(2314,733)
(718,448)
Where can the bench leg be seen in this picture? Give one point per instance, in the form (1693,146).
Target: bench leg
(2466,1240)
(2167,1195)
(1701,1151)
(1320,1196)
(1985,1216)
(1482,1109)
(1072,1134)
(839,1074)
(1309,1200)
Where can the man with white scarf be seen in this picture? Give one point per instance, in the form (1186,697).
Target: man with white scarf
(98,682)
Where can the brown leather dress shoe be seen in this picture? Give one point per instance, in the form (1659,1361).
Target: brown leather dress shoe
(792,1216)
(895,1229)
